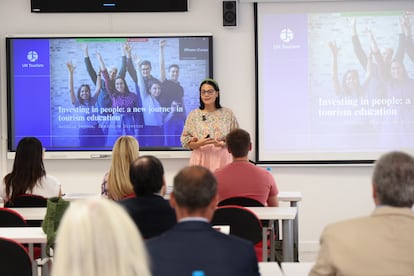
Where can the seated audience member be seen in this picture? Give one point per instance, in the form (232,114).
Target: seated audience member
(116,184)
(28,175)
(192,244)
(149,210)
(96,237)
(242,178)
(382,243)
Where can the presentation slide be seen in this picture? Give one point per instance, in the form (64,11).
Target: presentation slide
(149,86)
(334,86)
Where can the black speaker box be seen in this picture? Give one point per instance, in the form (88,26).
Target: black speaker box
(229,13)
(109,5)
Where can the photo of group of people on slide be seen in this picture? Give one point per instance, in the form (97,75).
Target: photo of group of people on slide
(142,87)
(367,92)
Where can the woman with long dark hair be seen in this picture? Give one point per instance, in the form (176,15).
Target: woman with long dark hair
(28,175)
(206,128)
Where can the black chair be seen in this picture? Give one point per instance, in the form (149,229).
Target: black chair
(14,259)
(243,223)
(250,202)
(11,218)
(245,202)
(27,200)
(240,201)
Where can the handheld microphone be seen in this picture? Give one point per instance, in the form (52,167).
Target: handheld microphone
(203,117)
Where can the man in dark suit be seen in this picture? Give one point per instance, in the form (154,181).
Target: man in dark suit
(150,211)
(192,244)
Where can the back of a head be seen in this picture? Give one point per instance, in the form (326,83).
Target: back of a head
(28,167)
(146,175)
(194,188)
(97,237)
(124,151)
(29,153)
(393,179)
(238,142)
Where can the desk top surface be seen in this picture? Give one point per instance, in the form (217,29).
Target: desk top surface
(31,213)
(78,196)
(270,269)
(283,213)
(289,196)
(38,213)
(24,234)
(296,269)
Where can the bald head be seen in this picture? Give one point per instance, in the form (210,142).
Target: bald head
(195,187)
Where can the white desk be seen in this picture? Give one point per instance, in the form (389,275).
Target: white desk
(29,235)
(38,213)
(297,269)
(287,216)
(78,196)
(293,198)
(270,269)
(31,213)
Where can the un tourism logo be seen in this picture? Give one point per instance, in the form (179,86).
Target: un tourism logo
(286,35)
(32,56)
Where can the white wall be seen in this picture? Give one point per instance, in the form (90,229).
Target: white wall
(330,193)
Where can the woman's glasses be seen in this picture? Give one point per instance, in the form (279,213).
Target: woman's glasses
(207,92)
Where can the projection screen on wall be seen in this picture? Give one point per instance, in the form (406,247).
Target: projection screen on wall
(335,81)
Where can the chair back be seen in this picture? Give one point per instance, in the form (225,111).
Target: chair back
(28,200)
(243,222)
(240,201)
(14,259)
(11,218)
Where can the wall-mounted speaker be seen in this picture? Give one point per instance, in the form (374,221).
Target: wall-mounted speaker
(229,13)
(109,5)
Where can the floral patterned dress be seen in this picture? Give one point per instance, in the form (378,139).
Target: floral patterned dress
(216,124)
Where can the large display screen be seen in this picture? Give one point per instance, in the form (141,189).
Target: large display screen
(82,93)
(335,82)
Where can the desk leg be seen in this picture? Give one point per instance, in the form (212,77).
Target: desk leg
(34,264)
(272,241)
(295,232)
(45,262)
(288,240)
(264,245)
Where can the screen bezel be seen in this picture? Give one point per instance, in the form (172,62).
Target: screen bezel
(316,158)
(162,152)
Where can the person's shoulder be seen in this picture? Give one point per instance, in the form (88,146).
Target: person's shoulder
(127,201)
(236,242)
(347,225)
(154,242)
(223,169)
(226,109)
(195,112)
(155,79)
(51,179)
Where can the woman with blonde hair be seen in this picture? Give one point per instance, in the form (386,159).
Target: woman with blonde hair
(82,248)
(116,184)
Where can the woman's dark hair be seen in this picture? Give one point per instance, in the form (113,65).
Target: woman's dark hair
(151,82)
(27,169)
(80,100)
(216,87)
(125,83)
